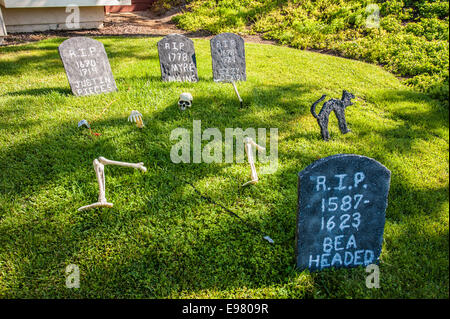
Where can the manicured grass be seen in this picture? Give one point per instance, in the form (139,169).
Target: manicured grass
(161,240)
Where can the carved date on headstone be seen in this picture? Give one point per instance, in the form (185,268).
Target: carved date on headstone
(87,66)
(342,202)
(228,58)
(177,59)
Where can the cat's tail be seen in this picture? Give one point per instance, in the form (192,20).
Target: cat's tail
(313,107)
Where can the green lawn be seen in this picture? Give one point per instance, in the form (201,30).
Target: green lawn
(161,240)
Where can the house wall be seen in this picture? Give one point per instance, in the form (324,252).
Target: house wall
(44,19)
(44,15)
(60,3)
(136,5)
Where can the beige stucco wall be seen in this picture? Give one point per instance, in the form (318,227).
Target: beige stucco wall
(43,19)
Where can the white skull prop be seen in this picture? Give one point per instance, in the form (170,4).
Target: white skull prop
(185,101)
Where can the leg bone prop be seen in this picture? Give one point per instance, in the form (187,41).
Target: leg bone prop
(248,149)
(99,167)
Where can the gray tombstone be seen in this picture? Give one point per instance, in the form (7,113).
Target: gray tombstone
(87,66)
(228,58)
(177,59)
(342,202)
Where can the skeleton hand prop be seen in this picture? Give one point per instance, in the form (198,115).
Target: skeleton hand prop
(248,149)
(136,116)
(99,167)
(85,123)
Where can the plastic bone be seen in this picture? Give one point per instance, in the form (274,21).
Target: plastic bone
(248,149)
(99,168)
(136,116)
(85,123)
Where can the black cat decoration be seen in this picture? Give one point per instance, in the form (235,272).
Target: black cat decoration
(338,106)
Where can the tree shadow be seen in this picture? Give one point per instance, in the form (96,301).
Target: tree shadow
(40,91)
(161,238)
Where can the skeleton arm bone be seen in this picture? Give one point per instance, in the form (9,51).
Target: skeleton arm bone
(140,165)
(99,167)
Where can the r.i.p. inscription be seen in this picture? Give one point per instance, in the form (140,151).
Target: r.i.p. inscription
(87,66)
(228,58)
(177,59)
(342,201)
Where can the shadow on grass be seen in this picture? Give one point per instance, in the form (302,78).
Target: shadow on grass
(161,238)
(45,58)
(40,92)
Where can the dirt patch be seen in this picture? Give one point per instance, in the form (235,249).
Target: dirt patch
(129,24)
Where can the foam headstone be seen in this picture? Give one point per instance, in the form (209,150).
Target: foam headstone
(87,66)
(177,59)
(228,58)
(342,202)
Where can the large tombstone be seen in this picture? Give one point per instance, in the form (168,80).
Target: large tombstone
(228,58)
(87,66)
(177,59)
(342,202)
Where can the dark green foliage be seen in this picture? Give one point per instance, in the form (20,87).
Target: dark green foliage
(411,40)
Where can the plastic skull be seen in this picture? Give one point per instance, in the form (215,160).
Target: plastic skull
(185,101)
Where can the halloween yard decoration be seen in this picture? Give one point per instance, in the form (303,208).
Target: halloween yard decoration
(228,59)
(342,201)
(237,94)
(185,101)
(86,124)
(136,116)
(177,59)
(338,106)
(248,149)
(99,167)
(87,66)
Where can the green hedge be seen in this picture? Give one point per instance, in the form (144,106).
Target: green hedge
(411,39)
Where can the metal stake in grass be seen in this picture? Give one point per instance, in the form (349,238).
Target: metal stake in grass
(237,93)
(99,167)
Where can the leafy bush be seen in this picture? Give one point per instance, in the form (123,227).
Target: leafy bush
(411,39)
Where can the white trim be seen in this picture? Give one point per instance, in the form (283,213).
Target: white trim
(62,3)
(2,25)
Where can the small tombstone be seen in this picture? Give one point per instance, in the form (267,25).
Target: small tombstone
(342,202)
(228,58)
(177,59)
(87,66)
